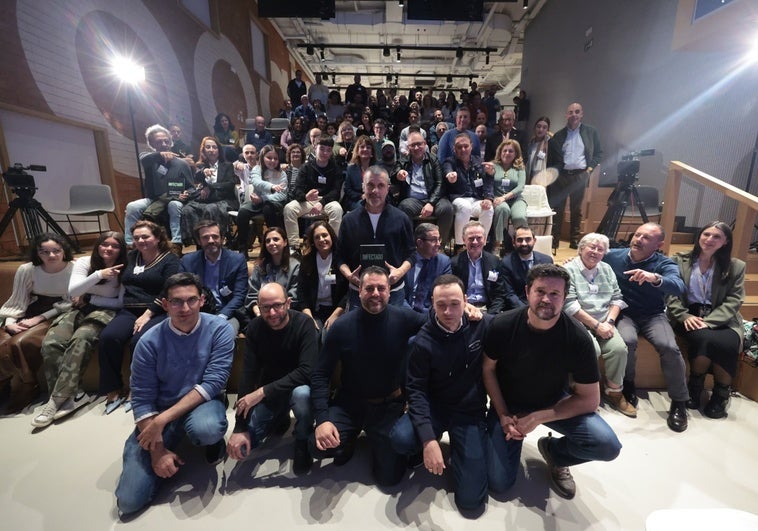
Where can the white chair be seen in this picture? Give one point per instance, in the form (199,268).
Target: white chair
(88,200)
(539,215)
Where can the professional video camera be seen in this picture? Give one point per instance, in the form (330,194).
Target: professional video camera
(628,170)
(32,212)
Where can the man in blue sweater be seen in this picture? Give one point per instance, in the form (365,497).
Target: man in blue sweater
(446,393)
(645,277)
(179,372)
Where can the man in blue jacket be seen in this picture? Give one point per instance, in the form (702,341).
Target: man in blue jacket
(446,393)
(428,264)
(645,277)
(517,264)
(179,373)
(222,271)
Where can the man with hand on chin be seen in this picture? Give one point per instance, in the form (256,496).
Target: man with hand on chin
(530,353)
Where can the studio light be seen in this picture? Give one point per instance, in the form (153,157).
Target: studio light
(526,4)
(127,70)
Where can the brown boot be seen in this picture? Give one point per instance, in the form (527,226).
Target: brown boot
(176,248)
(616,400)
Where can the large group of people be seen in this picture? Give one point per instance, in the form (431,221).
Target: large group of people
(361,323)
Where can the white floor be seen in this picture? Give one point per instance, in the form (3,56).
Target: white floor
(63,477)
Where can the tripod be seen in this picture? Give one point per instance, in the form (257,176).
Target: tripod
(617,205)
(32,212)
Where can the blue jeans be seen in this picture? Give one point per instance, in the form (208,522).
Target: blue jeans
(350,415)
(263,415)
(468,449)
(138,484)
(134,210)
(657,330)
(587,438)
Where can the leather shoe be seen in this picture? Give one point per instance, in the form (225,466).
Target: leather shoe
(677,419)
(630,393)
(302,460)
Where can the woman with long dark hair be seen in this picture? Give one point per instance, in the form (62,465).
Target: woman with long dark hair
(294,134)
(226,136)
(363,158)
(536,151)
(274,265)
(147,267)
(40,293)
(708,314)
(321,289)
(96,280)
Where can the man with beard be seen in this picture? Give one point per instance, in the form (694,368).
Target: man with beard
(517,264)
(529,355)
(371,344)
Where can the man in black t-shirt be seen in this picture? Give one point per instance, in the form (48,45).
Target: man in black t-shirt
(530,354)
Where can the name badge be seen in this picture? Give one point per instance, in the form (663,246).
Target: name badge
(593,288)
(139,269)
(162,169)
(478,182)
(225,291)
(492,276)
(540,154)
(330,279)
(506,183)
(321,179)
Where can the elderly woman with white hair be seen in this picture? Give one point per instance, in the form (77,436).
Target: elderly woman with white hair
(594,299)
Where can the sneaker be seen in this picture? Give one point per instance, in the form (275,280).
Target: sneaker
(560,476)
(46,416)
(72,404)
(616,400)
(215,453)
(302,460)
(113,405)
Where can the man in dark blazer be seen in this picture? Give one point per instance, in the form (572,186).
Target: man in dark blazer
(427,263)
(222,271)
(517,264)
(480,271)
(507,131)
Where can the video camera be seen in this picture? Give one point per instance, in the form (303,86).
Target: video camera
(629,165)
(20,182)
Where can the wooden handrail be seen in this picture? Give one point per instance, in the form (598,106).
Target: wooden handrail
(747,205)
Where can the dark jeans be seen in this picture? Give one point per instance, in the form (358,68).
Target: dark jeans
(587,438)
(567,187)
(443,211)
(468,448)
(272,216)
(350,415)
(113,339)
(263,415)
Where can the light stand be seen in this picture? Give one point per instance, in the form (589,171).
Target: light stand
(131,74)
(134,136)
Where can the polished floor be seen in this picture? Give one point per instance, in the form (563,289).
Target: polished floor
(63,477)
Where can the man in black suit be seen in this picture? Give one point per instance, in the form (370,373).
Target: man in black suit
(480,271)
(507,131)
(517,264)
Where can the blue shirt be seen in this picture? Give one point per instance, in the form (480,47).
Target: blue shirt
(475,289)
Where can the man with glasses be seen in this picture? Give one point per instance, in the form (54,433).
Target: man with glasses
(428,264)
(280,348)
(419,183)
(179,373)
(517,264)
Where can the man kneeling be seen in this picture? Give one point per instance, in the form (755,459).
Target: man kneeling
(179,372)
(530,353)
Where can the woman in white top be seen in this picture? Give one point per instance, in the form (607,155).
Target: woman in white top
(66,349)
(40,293)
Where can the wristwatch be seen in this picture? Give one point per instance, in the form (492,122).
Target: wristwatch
(611,321)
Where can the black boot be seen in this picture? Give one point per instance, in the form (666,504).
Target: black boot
(630,392)
(677,418)
(695,389)
(716,406)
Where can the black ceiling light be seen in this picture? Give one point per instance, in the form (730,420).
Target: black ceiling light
(334,79)
(322,54)
(386,51)
(398,54)
(309,49)
(449,79)
(487,58)
(389,78)
(459,53)
(526,4)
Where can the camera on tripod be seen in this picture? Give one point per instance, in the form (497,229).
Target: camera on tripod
(20,182)
(628,167)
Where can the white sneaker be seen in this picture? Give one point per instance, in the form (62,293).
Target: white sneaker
(46,416)
(72,404)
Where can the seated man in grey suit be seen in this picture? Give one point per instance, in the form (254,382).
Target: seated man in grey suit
(427,264)
(517,264)
(480,271)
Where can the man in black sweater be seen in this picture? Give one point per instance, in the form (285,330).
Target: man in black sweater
(281,347)
(371,344)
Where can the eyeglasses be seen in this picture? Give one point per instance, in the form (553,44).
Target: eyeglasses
(51,252)
(432,240)
(178,303)
(277,306)
(416,144)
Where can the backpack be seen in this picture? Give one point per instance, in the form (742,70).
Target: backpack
(750,346)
